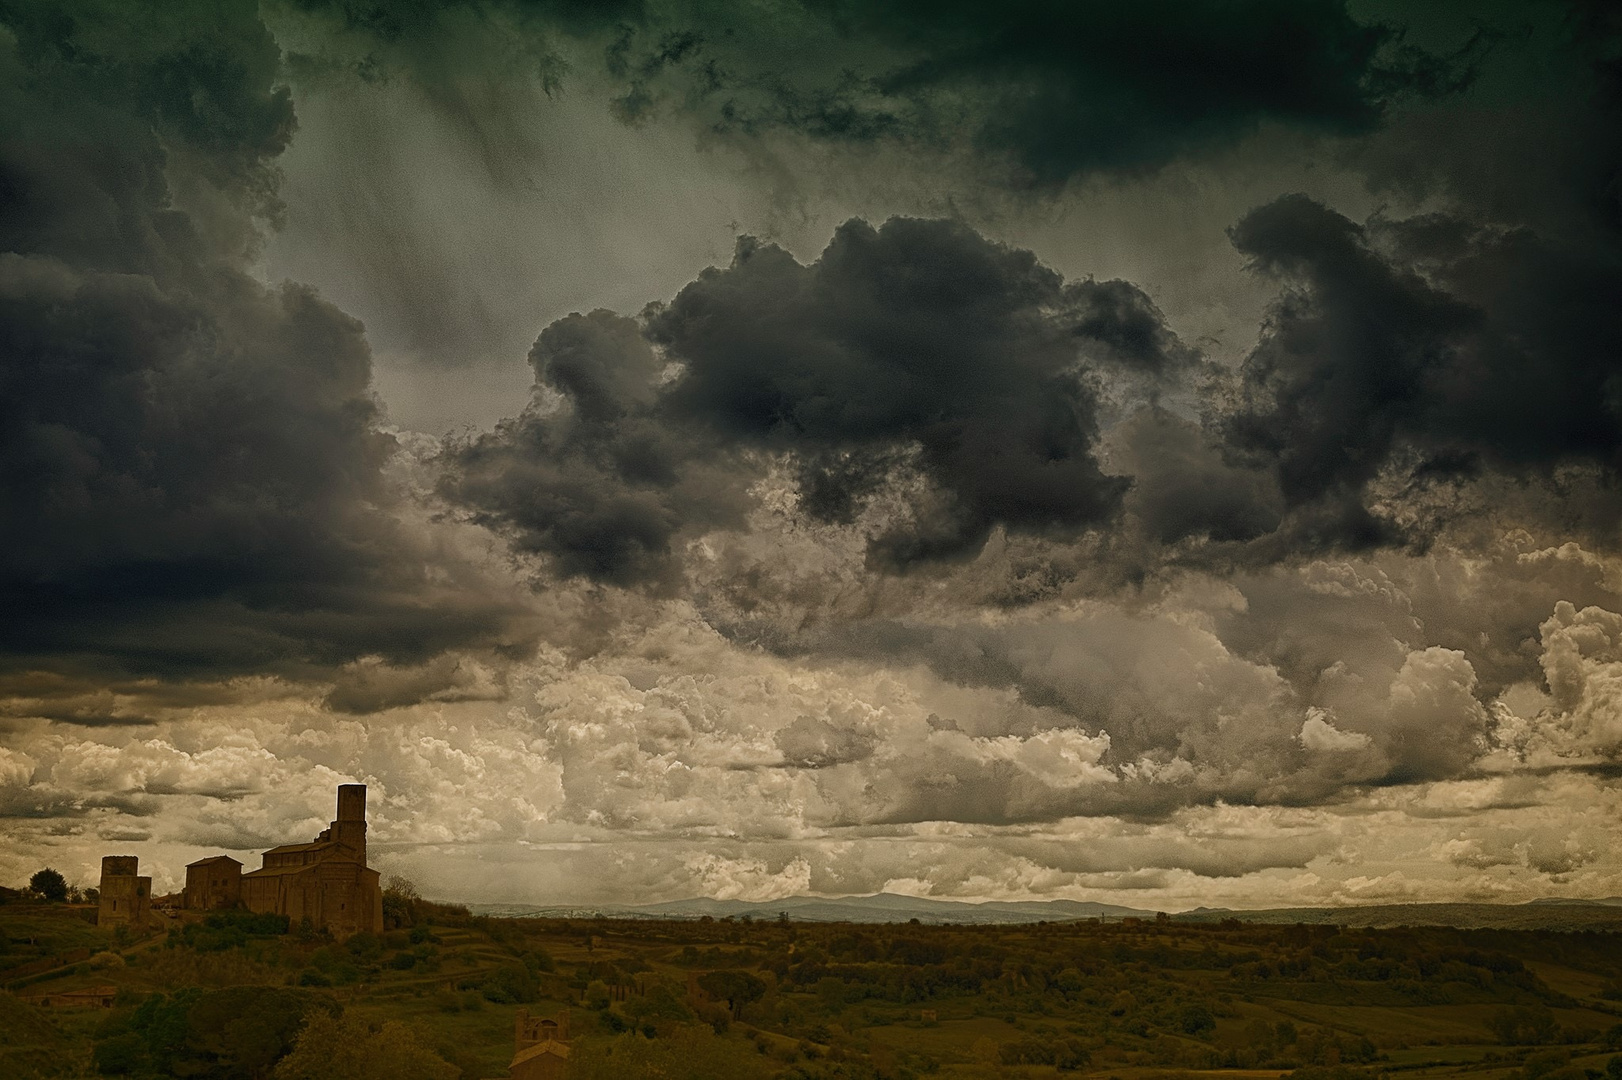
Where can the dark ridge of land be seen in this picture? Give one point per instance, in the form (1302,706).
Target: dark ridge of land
(878,908)
(1553,913)
(729,999)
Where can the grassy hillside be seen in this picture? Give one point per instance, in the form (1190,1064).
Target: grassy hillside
(716,998)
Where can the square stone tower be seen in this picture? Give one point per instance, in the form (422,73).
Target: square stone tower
(349,827)
(126,898)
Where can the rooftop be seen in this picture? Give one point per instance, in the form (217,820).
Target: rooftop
(214,859)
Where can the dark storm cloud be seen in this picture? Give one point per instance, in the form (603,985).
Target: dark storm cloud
(916,345)
(1185,488)
(1052,90)
(1483,340)
(190,465)
(1434,346)
(919,333)
(604,485)
(1044,91)
(1537,146)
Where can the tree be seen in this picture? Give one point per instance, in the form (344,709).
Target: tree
(347,1048)
(228,1034)
(1524,1025)
(400,902)
(1196,1020)
(49,884)
(736,988)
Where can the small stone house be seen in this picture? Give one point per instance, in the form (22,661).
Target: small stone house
(213,884)
(541,1048)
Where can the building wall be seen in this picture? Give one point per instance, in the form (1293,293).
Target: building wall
(341,896)
(126,897)
(327,881)
(213,885)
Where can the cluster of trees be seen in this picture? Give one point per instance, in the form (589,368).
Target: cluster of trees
(50,886)
(237,1032)
(246,1032)
(403,908)
(1064,1053)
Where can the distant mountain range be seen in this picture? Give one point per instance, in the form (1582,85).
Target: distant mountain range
(1550,912)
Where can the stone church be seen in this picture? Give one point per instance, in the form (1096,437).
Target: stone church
(326,881)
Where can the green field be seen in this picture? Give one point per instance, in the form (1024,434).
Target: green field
(230,996)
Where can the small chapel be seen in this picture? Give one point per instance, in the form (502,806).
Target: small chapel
(326,881)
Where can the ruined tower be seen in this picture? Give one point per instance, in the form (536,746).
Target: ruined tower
(125,897)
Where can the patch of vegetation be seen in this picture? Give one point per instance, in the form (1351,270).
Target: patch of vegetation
(222,930)
(230,995)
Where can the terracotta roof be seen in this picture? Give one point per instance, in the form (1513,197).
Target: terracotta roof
(528,1053)
(213,859)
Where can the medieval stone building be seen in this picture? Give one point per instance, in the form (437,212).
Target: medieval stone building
(541,1048)
(213,884)
(126,898)
(326,881)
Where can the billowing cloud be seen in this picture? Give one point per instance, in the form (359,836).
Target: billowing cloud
(1582,663)
(1459,348)
(917,349)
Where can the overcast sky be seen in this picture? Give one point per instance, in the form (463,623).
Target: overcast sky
(1163,453)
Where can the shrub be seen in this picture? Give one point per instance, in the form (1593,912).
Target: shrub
(510,985)
(1524,1025)
(364,946)
(1195,1020)
(347,1047)
(1544,1063)
(1066,1054)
